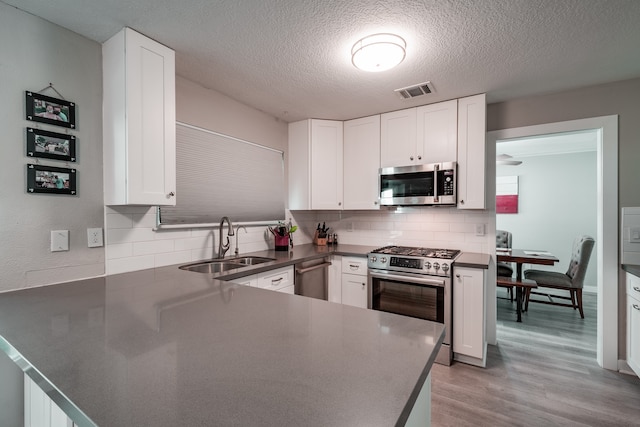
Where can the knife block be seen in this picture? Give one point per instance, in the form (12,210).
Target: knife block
(319,241)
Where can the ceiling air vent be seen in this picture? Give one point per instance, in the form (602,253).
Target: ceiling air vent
(415,90)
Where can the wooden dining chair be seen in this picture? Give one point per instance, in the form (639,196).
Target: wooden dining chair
(504,269)
(572,280)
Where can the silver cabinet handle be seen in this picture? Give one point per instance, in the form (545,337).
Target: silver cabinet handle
(278,280)
(636,307)
(375,203)
(637,289)
(419,157)
(457,276)
(363,285)
(171,194)
(354,266)
(411,158)
(339,203)
(462,202)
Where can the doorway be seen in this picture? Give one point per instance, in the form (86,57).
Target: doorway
(606,130)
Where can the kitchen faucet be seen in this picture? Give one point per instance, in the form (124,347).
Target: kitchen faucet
(222,249)
(237,235)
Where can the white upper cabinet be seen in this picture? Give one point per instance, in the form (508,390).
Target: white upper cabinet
(437,132)
(315,164)
(472,129)
(139,134)
(398,138)
(427,134)
(361,163)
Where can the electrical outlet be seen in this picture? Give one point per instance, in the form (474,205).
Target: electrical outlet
(479,229)
(59,240)
(94,237)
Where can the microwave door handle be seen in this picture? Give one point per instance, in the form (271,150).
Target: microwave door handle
(435,183)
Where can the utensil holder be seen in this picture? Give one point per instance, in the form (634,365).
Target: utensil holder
(282,243)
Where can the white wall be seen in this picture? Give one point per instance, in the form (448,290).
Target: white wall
(131,242)
(33,53)
(557,202)
(435,227)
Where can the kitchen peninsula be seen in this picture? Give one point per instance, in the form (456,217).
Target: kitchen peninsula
(168,347)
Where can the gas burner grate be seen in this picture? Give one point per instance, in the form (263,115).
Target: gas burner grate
(418,252)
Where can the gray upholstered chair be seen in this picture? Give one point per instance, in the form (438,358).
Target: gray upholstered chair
(572,280)
(503,240)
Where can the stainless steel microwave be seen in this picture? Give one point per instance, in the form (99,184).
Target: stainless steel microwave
(418,185)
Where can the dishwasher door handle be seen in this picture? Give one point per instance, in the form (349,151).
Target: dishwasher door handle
(315,267)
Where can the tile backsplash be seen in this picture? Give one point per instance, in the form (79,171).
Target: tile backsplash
(133,244)
(435,227)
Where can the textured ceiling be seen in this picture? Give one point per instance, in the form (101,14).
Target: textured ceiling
(291,58)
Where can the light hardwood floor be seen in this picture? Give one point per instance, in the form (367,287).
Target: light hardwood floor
(543,372)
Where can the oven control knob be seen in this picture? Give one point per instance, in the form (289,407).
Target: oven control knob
(374,259)
(383,259)
(445,267)
(427,265)
(436,266)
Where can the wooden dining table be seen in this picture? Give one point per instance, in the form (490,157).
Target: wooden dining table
(520,257)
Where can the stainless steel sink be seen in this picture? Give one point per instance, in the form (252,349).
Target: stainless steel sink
(212,266)
(222,265)
(251,260)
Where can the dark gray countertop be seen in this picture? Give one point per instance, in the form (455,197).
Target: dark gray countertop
(633,269)
(167,347)
(472,260)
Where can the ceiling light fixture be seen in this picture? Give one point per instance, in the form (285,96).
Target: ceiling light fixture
(505,159)
(378,52)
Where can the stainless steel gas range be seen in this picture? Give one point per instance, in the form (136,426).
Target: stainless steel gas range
(414,282)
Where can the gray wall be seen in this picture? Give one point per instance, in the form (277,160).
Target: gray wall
(557,201)
(619,98)
(34,53)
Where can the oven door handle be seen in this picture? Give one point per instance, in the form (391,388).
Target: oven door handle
(403,278)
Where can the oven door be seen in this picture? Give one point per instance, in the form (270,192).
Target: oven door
(412,295)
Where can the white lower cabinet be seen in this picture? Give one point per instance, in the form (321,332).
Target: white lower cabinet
(40,410)
(246,280)
(469,342)
(335,279)
(354,281)
(276,280)
(633,323)
(279,279)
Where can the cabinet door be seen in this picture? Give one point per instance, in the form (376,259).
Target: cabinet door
(361,163)
(335,279)
(633,335)
(276,279)
(326,164)
(354,290)
(139,133)
(40,410)
(437,132)
(468,312)
(251,280)
(398,138)
(472,129)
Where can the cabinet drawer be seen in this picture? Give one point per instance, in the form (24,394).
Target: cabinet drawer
(633,286)
(276,279)
(251,280)
(354,265)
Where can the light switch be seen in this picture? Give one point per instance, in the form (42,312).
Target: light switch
(634,234)
(59,240)
(480,230)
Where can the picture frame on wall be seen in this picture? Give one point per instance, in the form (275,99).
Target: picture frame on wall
(52,180)
(53,111)
(51,145)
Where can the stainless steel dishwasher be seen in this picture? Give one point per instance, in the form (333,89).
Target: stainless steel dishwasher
(312,278)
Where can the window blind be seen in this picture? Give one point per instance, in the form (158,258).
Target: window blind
(218,175)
